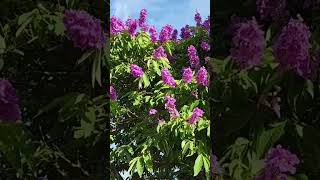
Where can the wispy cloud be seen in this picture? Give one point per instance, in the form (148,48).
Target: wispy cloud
(161,12)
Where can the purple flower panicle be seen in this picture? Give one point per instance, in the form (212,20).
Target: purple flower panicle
(248,44)
(112,93)
(84,30)
(152,112)
(292,48)
(187,75)
(196,115)
(167,78)
(193,57)
(153,34)
(205,46)
(271,10)
(132,25)
(170,105)
(185,32)
(136,71)
(165,33)
(174,35)
(143,17)
(202,77)
(159,53)
(197,18)
(116,25)
(9,102)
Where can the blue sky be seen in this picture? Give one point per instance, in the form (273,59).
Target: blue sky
(178,13)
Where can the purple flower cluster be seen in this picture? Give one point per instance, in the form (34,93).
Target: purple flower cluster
(248,44)
(9,102)
(112,93)
(292,48)
(136,71)
(202,77)
(132,25)
(271,10)
(152,112)
(116,25)
(143,17)
(197,18)
(174,36)
(170,105)
(278,163)
(165,33)
(167,78)
(185,32)
(196,115)
(153,34)
(206,24)
(84,30)
(187,75)
(193,57)
(159,53)
(205,46)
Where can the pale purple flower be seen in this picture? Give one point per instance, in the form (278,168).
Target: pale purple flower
(292,48)
(159,53)
(9,102)
(132,25)
(197,18)
(136,71)
(152,111)
(167,78)
(170,105)
(84,30)
(112,93)
(153,34)
(196,115)
(202,77)
(185,32)
(248,44)
(187,75)
(165,33)
(116,25)
(193,57)
(205,46)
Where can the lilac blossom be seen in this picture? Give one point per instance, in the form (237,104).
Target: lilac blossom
(193,57)
(170,105)
(196,115)
(9,102)
(205,46)
(159,53)
(132,25)
(84,30)
(271,10)
(167,78)
(112,93)
(153,34)
(152,112)
(185,32)
(116,25)
(187,75)
(197,18)
(174,35)
(165,33)
(136,71)
(202,77)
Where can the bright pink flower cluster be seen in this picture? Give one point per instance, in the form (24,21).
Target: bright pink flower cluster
(136,71)
(196,115)
(167,78)
(193,57)
(170,105)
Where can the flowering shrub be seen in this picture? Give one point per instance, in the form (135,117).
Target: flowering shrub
(52,115)
(265,90)
(160,119)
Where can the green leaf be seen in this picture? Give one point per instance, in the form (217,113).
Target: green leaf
(140,167)
(206,163)
(132,164)
(310,88)
(198,165)
(145,80)
(85,56)
(156,67)
(23,26)
(2,45)
(267,138)
(148,162)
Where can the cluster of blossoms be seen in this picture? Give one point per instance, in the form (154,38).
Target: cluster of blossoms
(205,46)
(202,77)
(170,105)
(112,93)
(153,34)
(132,25)
(196,115)
(142,20)
(278,163)
(292,48)
(248,44)
(159,53)
(136,71)
(84,30)
(187,75)
(271,10)
(197,18)
(165,33)
(152,111)
(116,25)
(193,57)
(167,78)
(9,102)
(185,32)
